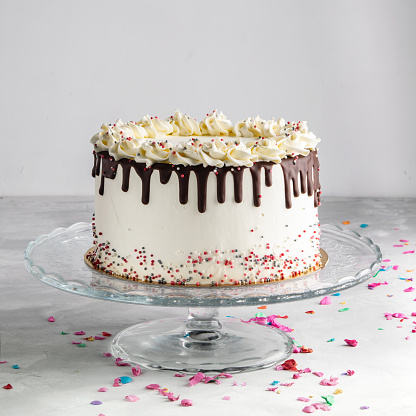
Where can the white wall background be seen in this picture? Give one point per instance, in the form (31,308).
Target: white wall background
(348,67)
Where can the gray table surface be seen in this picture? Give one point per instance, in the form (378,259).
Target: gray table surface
(56,377)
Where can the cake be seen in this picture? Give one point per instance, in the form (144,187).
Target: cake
(212,203)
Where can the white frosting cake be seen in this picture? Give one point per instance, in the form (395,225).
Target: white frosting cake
(229,204)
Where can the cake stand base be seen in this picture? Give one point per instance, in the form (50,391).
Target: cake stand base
(202,344)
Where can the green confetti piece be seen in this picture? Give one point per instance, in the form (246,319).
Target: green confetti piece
(380,329)
(81,345)
(260,315)
(331,340)
(64,333)
(377,273)
(297,343)
(344,309)
(329,399)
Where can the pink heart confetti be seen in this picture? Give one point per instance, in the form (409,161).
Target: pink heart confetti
(395,267)
(51,319)
(79,333)
(333,381)
(152,386)
(350,372)
(303,399)
(318,373)
(409,289)
(351,342)
(102,389)
(136,371)
(226,398)
(131,398)
(297,375)
(186,402)
(325,301)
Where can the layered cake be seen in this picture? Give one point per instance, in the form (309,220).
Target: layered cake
(182,202)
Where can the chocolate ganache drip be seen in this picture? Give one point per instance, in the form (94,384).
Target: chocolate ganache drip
(304,168)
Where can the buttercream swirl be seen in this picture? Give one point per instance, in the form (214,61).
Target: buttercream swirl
(248,141)
(216,124)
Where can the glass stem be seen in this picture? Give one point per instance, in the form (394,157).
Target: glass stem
(203,319)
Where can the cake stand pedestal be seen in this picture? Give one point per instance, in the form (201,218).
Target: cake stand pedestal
(202,342)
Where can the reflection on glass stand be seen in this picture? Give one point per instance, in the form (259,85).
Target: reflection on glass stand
(202,342)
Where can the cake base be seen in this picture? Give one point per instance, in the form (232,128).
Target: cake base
(89,253)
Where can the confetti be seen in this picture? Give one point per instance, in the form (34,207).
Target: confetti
(197,378)
(398,245)
(107,354)
(226,398)
(119,362)
(408,252)
(152,386)
(338,391)
(325,301)
(350,372)
(287,384)
(409,289)
(351,342)
(137,370)
(76,342)
(374,285)
(131,398)
(329,399)
(79,333)
(404,241)
(186,402)
(51,319)
(318,373)
(345,222)
(102,389)
(180,375)
(290,365)
(8,387)
(96,402)
(333,381)
(297,375)
(82,345)
(3,362)
(364,407)
(273,383)
(15,366)
(106,334)
(64,333)
(336,294)
(125,380)
(310,312)
(364,225)
(117,382)
(331,340)
(386,260)
(172,397)
(313,407)
(99,338)
(261,307)
(303,399)
(343,309)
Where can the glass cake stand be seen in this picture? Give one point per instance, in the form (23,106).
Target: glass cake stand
(201,342)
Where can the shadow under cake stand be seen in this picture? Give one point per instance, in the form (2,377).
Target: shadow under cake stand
(201,342)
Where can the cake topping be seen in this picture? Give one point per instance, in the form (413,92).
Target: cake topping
(217,141)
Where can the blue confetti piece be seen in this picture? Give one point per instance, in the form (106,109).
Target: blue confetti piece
(364,225)
(15,366)
(125,379)
(331,340)
(336,294)
(273,383)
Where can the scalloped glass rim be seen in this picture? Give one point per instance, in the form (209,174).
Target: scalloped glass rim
(57,259)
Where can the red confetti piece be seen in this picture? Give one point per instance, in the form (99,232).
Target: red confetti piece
(351,342)
(310,312)
(51,319)
(180,375)
(290,365)
(8,387)
(106,334)
(3,362)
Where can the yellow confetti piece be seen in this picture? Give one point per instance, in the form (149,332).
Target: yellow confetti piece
(342,303)
(345,222)
(410,270)
(277,391)
(91,339)
(338,391)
